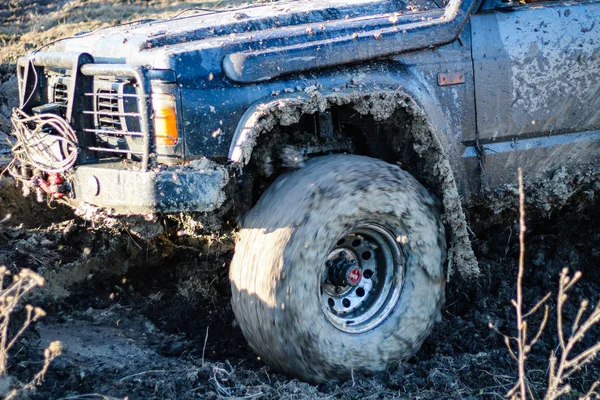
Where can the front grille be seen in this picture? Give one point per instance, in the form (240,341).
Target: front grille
(107,106)
(107,115)
(116,119)
(60,94)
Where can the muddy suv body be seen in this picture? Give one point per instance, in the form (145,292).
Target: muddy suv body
(182,115)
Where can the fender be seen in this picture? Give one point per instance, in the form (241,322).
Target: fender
(409,91)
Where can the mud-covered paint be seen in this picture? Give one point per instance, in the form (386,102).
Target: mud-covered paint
(196,186)
(556,169)
(537,86)
(384,35)
(537,70)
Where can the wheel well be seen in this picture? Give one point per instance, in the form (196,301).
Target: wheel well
(341,129)
(389,126)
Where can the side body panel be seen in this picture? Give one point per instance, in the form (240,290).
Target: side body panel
(537,70)
(537,87)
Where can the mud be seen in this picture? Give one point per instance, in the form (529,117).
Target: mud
(437,171)
(547,196)
(152,318)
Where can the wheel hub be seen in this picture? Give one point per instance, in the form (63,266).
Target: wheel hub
(343,269)
(362,279)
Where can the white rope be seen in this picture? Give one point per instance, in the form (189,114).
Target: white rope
(46,142)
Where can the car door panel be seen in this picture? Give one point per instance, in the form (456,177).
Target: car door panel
(537,70)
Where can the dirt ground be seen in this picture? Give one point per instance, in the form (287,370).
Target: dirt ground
(152,319)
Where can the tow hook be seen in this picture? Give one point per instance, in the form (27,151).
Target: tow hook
(52,184)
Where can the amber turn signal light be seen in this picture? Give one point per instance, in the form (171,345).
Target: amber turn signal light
(165,120)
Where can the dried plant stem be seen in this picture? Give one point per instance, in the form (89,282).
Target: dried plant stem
(10,297)
(562,364)
(53,351)
(521,324)
(521,389)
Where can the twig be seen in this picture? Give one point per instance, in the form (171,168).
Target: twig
(221,389)
(204,347)
(89,396)
(10,296)
(251,396)
(152,371)
(561,364)
(521,324)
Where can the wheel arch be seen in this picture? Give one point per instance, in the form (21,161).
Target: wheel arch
(433,135)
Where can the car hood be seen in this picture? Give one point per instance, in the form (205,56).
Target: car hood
(202,38)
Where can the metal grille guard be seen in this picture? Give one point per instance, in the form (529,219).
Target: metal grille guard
(79,114)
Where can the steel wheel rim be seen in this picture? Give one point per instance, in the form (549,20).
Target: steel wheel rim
(362,278)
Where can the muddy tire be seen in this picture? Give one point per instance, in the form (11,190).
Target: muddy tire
(339,268)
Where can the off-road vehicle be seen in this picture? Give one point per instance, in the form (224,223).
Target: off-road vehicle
(349,119)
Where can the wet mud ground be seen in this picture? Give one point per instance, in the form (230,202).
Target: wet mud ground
(152,319)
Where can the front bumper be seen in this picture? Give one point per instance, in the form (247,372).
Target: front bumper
(105,111)
(197,186)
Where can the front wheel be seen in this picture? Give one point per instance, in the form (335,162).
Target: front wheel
(339,268)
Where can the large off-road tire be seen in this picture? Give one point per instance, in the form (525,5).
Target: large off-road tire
(339,268)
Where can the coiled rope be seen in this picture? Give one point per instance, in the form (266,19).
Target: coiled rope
(45,142)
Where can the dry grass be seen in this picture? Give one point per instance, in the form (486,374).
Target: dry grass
(25,26)
(10,298)
(563,363)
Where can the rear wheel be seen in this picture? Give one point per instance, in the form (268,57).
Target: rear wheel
(339,268)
